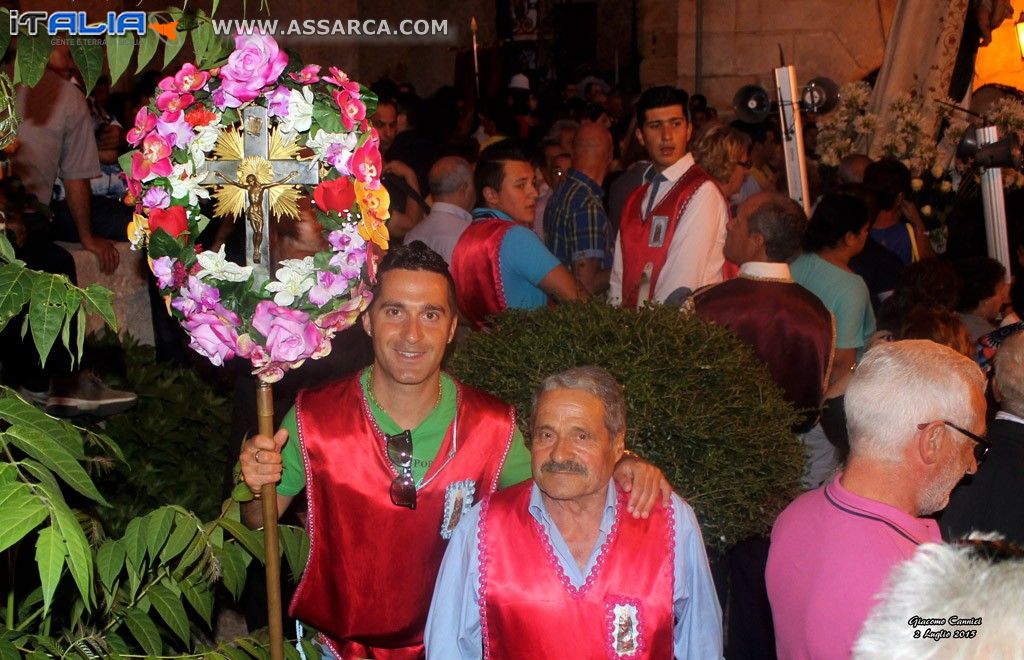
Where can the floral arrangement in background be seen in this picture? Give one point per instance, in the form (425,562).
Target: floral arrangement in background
(904,137)
(228,309)
(844,130)
(1007,114)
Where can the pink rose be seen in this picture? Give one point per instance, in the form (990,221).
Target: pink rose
(290,335)
(213,334)
(256,62)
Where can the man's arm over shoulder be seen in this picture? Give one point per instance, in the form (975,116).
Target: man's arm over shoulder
(698,628)
(453,622)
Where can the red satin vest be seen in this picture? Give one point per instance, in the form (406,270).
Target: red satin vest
(476,270)
(529,609)
(635,231)
(372,565)
(788,327)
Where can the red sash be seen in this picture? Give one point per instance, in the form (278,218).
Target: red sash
(476,269)
(372,565)
(529,609)
(635,231)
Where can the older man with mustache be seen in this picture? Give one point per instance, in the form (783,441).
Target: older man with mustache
(552,568)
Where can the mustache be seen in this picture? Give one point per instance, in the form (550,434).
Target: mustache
(564,467)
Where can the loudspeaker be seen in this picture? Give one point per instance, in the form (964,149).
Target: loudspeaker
(1005,152)
(752,104)
(819,95)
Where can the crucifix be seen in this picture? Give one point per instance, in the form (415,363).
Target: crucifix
(255,173)
(286,172)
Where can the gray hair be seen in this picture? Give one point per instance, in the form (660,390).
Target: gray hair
(781,222)
(449,175)
(595,380)
(941,582)
(901,384)
(1010,375)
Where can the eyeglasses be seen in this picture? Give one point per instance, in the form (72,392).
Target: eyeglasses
(403,487)
(981,447)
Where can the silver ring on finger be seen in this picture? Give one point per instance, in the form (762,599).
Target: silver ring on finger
(256,455)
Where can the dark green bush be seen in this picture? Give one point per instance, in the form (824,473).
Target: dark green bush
(698,405)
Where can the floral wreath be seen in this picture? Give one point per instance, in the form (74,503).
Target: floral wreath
(230,310)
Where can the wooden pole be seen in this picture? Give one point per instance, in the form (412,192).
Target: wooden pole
(268,495)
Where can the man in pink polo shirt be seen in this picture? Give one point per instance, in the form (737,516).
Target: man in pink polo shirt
(916,413)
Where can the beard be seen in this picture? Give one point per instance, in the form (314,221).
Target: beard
(935,496)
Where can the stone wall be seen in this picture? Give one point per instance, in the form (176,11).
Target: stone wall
(843,40)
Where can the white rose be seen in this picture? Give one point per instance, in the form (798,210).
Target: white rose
(946,186)
(916,184)
(926,210)
(938,171)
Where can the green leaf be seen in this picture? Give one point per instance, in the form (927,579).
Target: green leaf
(119,55)
(80,323)
(43,476)
(162,244)
(8,650)
(20,413)
(90,62)
(291,540)
(8,473)
(100,300)
(252,540)
(5,31)
(124,161)
(327,117)
(184,531)
(55,456)
(135,541)
(169,606)
(109,562)
(201,37)
(172,47)
(229,117)
(232,568)
(79,552)
(6,249)
(158,528)
(33,52)
(46,313)
(20,513)
(50,554)
(147,48)
(15,290)
(199,597)
(144,630)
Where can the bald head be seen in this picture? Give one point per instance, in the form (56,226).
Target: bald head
(852,167)
(592,150)
(451,181)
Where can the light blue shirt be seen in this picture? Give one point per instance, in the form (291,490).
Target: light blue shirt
(523,263)
(844,293)
(453,625)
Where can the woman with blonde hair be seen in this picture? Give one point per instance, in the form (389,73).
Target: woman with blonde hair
(724,153)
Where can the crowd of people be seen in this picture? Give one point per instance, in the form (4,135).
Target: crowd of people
(881,349)
(441,525)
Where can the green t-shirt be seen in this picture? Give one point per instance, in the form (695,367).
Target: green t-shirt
(426,442)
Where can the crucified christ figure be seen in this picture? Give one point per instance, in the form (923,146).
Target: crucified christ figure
(254,214)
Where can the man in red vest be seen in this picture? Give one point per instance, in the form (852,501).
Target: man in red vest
(498,262)
(673,226)
(390,459)
(553,568)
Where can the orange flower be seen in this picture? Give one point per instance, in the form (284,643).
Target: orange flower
(199,117)
(374,207)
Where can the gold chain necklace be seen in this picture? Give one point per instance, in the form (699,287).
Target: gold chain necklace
(373,395)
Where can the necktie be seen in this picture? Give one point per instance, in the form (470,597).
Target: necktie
(655,184)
